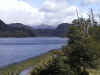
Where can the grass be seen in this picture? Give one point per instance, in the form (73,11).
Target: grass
(15,69)
(94,71)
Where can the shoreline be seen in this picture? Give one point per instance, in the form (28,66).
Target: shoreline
(17,68)
(16,63)
(25,60)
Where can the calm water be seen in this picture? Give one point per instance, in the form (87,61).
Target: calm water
(18,49)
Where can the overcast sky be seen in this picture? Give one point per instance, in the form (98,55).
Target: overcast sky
(52,12)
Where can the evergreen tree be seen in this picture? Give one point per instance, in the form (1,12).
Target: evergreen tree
(82,50)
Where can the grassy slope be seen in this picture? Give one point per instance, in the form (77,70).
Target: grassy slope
(15,69)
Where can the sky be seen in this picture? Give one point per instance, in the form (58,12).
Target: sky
(50,12)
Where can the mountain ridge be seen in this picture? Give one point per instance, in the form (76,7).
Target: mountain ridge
(21,30)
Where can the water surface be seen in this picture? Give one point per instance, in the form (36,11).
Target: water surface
(18,49)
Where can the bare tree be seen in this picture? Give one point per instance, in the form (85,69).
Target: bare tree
(92,17)
(84,24)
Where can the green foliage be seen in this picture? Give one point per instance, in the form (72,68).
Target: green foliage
(74,33)
(78,21)
(95,33)
(57,67)
(82,50)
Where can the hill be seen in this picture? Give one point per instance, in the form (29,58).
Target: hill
(21,30)
(15,30)
(62,29)
(59,31)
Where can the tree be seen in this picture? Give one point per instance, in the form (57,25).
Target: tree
(82,50)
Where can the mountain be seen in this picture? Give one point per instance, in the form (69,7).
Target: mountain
(15,30)
(62,29)
(20,26)
(3,26)
(45,30)
(21,30)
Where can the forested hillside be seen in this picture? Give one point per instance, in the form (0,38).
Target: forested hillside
(15,30)
(21,30)
(60,31)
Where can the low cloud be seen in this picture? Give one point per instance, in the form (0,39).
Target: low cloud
(19,11)
(92,1)
(57,11)
(51,12)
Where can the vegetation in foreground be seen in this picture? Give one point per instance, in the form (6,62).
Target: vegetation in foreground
(81,56)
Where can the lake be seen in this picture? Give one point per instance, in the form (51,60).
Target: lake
(14,50)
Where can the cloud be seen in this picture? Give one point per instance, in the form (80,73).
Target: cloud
(92,1)
(19,11)
(58,11)
(51,12)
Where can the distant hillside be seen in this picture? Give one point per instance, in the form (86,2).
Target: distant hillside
(21,30)
(45,30)
(3,26)
(62,29)
(15,30)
